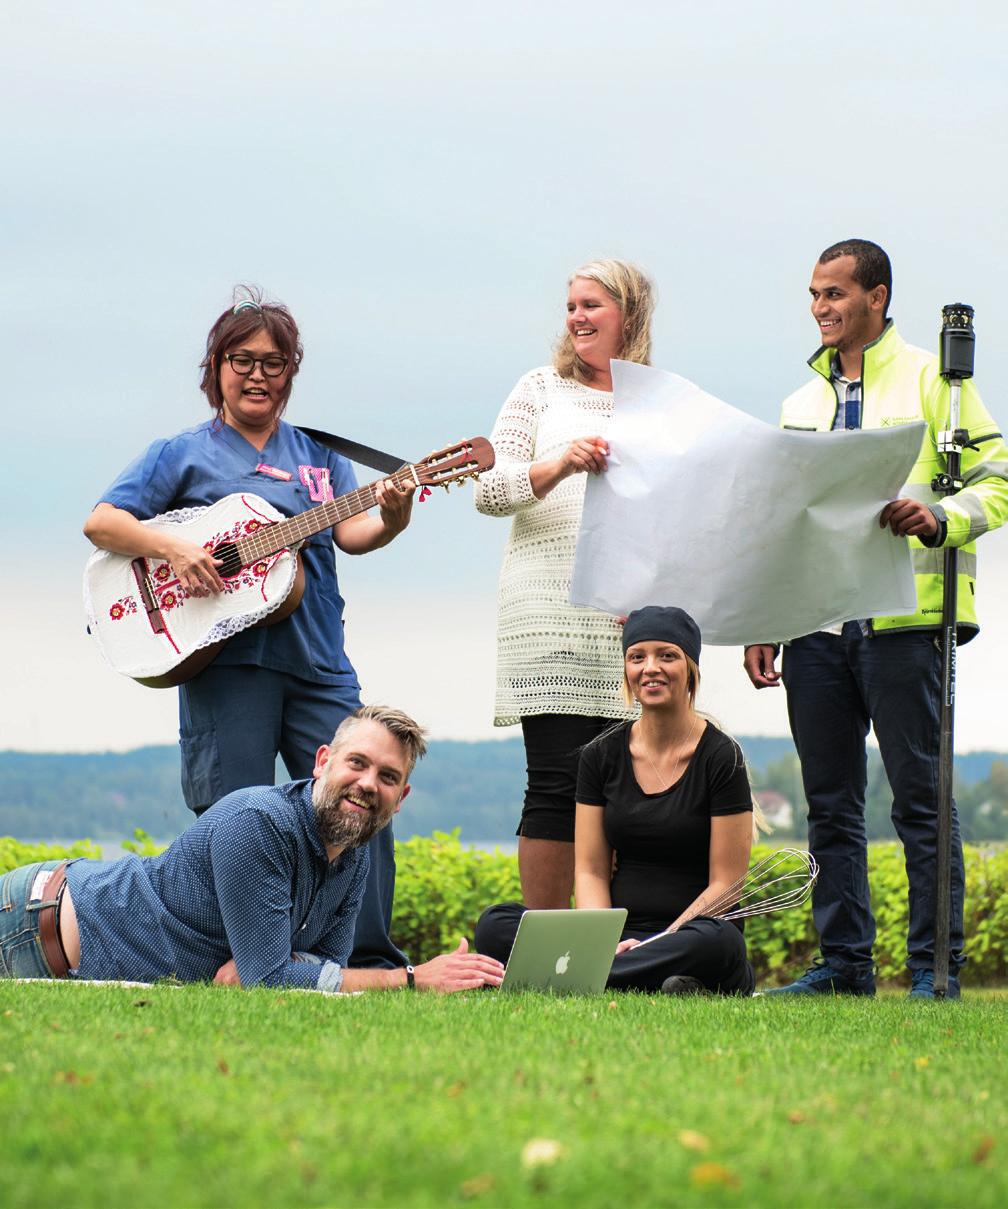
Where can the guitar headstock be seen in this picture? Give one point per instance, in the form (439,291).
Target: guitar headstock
(455,463)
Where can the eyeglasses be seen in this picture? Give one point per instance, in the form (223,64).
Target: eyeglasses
(244,363)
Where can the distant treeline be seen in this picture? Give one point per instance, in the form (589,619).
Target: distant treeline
(475,786)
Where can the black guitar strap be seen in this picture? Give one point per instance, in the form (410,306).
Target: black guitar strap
(356,452)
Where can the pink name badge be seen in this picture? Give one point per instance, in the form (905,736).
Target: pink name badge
(273,472)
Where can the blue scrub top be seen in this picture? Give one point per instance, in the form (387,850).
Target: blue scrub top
(200,466)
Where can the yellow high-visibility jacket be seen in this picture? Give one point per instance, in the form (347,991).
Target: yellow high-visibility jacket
(901,384)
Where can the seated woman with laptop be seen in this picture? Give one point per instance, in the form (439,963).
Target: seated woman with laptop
(664,826)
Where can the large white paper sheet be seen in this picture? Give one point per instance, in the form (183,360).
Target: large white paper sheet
(762,534)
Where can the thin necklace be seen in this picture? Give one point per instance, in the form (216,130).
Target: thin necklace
(658,776)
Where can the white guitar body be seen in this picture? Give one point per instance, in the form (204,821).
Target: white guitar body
(150,628)
(154,648)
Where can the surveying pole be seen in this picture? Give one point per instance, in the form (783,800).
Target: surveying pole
(957,345)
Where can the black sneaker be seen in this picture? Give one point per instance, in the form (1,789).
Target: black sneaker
(923,986)
(682,984)
(822,979)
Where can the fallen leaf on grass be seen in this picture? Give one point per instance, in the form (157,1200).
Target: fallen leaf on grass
(796,1117)
(8,1014)
(541,1152)
(477,1185)
(223,1067)
(455,1089)
(983,1149)
(612,1005)
(922,1062)
(71,1077)
(710,1175)
(693,1140)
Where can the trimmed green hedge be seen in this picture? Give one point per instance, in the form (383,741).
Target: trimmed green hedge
(441,888)
(13,853)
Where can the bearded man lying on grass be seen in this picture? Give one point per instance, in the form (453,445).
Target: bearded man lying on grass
(263,889)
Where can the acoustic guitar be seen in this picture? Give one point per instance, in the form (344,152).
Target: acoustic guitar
(151,628)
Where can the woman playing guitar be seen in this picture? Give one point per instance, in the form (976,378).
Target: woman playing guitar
(281,688)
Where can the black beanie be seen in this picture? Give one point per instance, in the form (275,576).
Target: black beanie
(657,624)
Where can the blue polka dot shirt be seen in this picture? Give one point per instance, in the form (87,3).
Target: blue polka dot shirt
(250,879)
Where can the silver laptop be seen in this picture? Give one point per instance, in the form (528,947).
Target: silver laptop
(569,952)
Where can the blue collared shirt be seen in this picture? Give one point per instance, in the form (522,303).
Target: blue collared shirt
(848,393)
(250,879)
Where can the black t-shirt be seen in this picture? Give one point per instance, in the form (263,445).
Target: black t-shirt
(661,840)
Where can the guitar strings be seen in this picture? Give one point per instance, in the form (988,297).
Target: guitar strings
(293,529)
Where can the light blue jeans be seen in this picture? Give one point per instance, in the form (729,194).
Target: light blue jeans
(21,953)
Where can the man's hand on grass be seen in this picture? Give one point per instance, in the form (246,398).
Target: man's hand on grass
(458,971)
(227,975)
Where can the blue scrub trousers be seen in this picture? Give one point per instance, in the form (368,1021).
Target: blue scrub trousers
(838,685)
(234,720)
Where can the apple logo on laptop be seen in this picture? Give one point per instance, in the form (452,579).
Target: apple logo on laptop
(563,962)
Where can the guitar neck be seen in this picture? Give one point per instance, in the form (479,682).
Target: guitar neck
(284,534)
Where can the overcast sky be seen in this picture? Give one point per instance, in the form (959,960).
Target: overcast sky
(416,182)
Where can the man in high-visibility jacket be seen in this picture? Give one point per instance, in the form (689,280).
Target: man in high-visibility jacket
(882,671)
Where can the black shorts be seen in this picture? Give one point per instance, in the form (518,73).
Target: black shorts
(553,744)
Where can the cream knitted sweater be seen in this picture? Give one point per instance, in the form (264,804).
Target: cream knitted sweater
(552,657)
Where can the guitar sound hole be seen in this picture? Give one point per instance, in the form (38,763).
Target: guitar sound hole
(227,552)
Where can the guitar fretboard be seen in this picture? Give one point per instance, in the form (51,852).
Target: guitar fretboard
(283,534)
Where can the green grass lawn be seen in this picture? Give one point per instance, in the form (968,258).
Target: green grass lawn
(192,1096)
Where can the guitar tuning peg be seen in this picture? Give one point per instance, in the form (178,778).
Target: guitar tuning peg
(446,486)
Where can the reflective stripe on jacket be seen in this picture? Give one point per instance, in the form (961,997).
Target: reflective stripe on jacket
(901,384)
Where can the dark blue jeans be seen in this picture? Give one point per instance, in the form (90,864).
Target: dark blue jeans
(838,685)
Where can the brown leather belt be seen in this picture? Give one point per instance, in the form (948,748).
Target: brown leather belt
(48,923)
